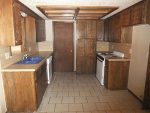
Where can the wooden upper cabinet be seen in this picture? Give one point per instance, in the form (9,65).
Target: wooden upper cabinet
(125,17)
(91,28)
(100,30)
(146,7)
(81,28)
(86,28)
(136,14)
(110,30)
(106,30)
(116,28)
(17,25)
(40,30)
(30,31)
(10,23)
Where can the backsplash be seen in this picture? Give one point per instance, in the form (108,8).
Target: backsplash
(121,47)
(102,46)
(45,46)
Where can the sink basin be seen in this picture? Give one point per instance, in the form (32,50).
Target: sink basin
(31,60)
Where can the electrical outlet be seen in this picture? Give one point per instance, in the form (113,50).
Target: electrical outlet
(7,55)
(29,49)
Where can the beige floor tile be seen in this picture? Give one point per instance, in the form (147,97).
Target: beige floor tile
(102,106)
(80,100)
(51,94)
(89,107)
(92,99)
(47,108)
(61,108)
(64,93)
(85,93)
(68,100)
(55,100)
(74,93)
(75,107)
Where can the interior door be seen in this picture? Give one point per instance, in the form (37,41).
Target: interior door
(63,47)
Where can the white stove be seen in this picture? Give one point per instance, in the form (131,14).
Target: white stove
(101,57)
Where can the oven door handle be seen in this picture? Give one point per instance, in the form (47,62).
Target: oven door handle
(100,59)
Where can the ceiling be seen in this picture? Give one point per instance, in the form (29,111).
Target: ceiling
(122,4)
(75,12)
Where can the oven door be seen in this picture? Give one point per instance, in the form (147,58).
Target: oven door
(100,70)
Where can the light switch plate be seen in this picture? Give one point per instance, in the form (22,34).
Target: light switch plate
(7,55)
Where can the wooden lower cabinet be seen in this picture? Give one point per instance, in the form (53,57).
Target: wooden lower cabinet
(24,90)
(116,75)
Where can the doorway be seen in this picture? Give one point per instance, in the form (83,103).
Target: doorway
(63,46)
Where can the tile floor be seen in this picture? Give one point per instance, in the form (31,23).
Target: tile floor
(71,93)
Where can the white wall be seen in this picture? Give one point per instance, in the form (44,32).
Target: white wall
(50,36)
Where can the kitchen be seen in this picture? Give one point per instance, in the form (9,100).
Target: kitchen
(117,33)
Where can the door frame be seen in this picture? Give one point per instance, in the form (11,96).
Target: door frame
(74,39)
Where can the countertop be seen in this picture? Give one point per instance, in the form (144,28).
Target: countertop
(28,67)
(114,58)
(117,59)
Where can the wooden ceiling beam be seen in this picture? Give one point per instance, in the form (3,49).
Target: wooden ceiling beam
(61,18)
(65,15)
(76,13)
(60,11)
(87,18)
(94,11)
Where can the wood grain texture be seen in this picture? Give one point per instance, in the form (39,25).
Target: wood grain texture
(7,34)
(116,75)
(86,59)
(136,14)
(100,30)
(40,30)
(20,91)
(30,33)
(63,47)
(125,17)
(24,90)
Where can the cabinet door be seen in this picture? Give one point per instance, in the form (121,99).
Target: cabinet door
(30,33)
(106,29)
(146,9)
(136,14)
(91,29)
(81,28)
(116,28)
(125,17)
(17,25)
(80,56)
(40,30)
(110,30)
(118,74)
(90,56)
(100,30)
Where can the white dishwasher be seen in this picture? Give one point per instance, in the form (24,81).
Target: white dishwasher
(49,69)
(100,69)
